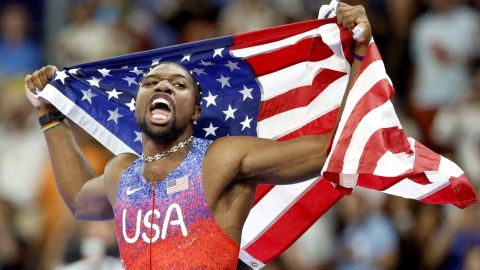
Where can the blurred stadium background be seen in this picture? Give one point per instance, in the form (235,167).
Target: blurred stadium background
(431,50)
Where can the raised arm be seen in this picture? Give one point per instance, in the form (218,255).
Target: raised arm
(268,161)
(80,188)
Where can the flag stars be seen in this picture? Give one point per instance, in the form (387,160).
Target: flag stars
(246,123)
(210,130)
(94,81)
(211,99)
(156,61)
(105,72)
(232,65)
(186,57)
(131,105)
(218,52)
(225,81)
(246,92)
(61,75)
(114,116)
(138,136)
(136,71)
(88,95)
(205,63)
(130,80)
(114,93)
(199,71)
(229,113)
(73,71)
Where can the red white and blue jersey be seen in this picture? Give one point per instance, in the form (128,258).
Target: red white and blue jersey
(167,224)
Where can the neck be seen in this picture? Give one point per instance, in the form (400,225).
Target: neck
(152,147)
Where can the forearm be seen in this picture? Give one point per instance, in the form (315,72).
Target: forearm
(70,167)
(356,64)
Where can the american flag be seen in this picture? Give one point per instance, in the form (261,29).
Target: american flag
(177,185)
(277,83)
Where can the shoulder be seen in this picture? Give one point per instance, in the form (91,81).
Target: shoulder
(117,165)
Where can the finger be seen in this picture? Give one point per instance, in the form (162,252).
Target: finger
(42,75)
(50,70)
(36,81)
(29,83)
(343,15)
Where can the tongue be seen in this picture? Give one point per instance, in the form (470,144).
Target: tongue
(160,114)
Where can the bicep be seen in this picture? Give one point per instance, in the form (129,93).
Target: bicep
(267,161)
(92,202)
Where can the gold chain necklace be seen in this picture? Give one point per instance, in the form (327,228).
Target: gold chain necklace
(174,149)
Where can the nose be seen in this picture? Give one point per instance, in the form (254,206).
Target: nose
(163,86)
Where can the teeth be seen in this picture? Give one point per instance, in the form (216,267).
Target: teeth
(160,100)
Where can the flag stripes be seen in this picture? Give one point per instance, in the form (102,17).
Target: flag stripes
(300,95)
(370,149)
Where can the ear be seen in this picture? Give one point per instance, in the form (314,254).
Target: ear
(197,109)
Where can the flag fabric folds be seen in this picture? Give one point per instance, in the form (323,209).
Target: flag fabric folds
(277,83)
(370,148)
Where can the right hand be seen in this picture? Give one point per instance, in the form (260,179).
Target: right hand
(38,80)
(352,16)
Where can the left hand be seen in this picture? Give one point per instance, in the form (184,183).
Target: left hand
(352,16)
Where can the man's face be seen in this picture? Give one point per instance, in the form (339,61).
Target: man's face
(165,105)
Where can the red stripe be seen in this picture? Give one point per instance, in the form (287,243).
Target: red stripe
(386,139)
(298,97)
(425,159)
(459,192)
(273,34)
(346,37)
(313,204)
(311,49)
(321,125)
(380,93)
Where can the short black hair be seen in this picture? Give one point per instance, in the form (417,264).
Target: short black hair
(196,84)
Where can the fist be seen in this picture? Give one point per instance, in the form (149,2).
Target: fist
(36,82)
(353,16)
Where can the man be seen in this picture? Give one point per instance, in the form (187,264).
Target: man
(182,205)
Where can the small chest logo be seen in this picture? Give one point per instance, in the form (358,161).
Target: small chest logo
(130,191)
(177,185)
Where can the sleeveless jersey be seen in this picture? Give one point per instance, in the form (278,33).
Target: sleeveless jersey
(167,224)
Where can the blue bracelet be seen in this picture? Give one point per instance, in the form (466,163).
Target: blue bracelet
(358,57)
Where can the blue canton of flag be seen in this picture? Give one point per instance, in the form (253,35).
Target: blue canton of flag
(106,91)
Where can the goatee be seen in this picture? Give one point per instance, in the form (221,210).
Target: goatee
(169,134)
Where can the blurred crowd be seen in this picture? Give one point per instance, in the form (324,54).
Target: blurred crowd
(431,51)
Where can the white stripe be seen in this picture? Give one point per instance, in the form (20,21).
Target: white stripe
(298,75)
(289,121)
(381,117)
(374,73)
(326,31)
(392,165)
(409,189)
(84,120)
(278,200)
(449,168)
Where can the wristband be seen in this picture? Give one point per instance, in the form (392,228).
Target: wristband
(357,56)
(51,117)
(50,125)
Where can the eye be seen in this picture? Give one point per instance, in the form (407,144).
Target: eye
(149,83)
(179,85)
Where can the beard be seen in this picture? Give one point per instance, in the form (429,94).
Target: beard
(171,132)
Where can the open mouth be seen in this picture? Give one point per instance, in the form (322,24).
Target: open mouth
(160,109)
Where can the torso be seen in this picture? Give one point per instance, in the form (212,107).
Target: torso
(163,225)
